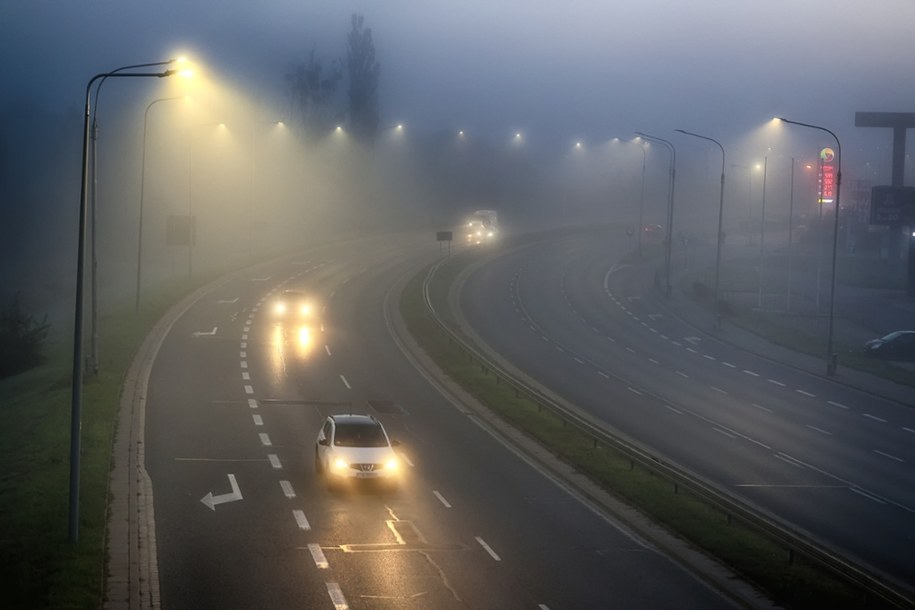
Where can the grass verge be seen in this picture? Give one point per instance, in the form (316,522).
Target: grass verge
(39,568)
(788,579)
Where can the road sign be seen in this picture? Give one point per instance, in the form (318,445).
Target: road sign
(893,205)
(443,236)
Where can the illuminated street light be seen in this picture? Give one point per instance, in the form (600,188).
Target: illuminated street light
(92,362)
(670,201)
(142,191)
(831,358)
(720,234)
(638,141)
(77,382)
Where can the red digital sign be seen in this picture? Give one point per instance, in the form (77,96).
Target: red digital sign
(827,179)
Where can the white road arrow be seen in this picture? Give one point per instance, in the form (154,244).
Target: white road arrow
(211,501)
(203,334)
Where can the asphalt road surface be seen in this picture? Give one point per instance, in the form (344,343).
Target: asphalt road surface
(824,457)
(235,402)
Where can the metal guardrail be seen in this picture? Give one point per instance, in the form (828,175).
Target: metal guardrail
(873,586)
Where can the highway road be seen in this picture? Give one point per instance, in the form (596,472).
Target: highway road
(235,402)
(827,458)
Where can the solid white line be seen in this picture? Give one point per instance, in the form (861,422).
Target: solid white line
(874,417)
(252,403)
(249,390)
(861,492)
(301,520)
(336,596)
(274,461)
(327,349)
(244,364)
(634,391)
(441,499)
(318,555)
(788,459)
(836,404)
(778,383)
(728,364)
(257,420)
(246,376)
(887,455)
(684,375)
(345,382)
(265,440)
(820,430)
(751,373)
(485,546)
(677,411)
(808,394)
(720,431)
(287,489)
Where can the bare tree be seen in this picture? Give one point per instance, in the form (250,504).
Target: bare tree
(313,95)
(363,81)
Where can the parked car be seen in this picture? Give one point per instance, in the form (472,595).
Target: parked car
(898,345)
(354,448)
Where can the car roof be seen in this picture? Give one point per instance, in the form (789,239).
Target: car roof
(353,418)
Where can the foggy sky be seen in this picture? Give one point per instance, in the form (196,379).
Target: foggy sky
(591,70)
(556,71)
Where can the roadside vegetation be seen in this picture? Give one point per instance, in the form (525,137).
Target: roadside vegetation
(39,568)
(786,577)
(22,339)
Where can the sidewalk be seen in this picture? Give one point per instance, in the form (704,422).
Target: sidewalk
(684,306)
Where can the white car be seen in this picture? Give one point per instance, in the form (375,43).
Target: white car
(355,447)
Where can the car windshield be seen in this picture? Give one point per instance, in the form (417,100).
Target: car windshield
(359,435)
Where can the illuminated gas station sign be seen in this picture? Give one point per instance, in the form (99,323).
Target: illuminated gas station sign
(827,179)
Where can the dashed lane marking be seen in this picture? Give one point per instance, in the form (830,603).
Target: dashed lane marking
(441,499)
(336,596)
(487,548)
(301,520)
(318,555)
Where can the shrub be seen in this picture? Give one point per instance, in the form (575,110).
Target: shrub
(21,339)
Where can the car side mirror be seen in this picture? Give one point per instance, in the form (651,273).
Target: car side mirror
(324,442)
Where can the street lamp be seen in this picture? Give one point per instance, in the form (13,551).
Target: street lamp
(92,362)
(142,190)
(77,385)
(670,200)
(831,358)
(641,195)
(720,234)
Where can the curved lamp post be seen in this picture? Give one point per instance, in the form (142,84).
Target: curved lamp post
(832,359)
(92,362)
(670,201)
(720,214)
(142,190)
(76,394)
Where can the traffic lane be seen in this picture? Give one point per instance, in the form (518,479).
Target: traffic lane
(201,396)
(541,275)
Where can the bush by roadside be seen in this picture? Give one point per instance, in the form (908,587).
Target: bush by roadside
(21,339)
